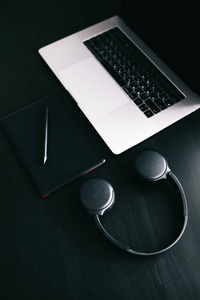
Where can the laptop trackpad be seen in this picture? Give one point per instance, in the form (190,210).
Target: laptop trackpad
(93,88)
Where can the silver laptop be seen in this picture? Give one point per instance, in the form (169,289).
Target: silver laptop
(123,88)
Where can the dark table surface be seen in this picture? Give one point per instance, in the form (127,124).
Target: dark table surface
(50,248)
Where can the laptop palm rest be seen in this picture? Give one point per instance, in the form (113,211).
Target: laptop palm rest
(95,91)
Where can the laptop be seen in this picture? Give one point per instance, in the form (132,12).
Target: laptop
(123,87)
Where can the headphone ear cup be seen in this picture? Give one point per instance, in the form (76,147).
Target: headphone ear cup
(97,196)
(150,165)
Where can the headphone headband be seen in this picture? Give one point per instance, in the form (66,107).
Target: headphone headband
(128,249)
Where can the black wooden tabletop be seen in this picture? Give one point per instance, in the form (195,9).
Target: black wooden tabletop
(51,248)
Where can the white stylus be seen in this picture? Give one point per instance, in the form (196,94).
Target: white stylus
(46,135)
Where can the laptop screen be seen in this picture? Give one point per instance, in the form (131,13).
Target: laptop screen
(171,31)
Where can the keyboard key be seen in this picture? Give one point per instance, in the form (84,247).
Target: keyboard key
(153,96)
(143,107)
(114,74)
(164,96)
(152,106)
(128,89)
(147,90)
(176,97)
(133,74)
(95,51)
(120,70)
(158,90)
(124,75)
(129,80)
(160,104)
(148,113)
(96,43)
(138,101)
(169,102)
(138,90)
(99,57)
(144,96)
(133,96)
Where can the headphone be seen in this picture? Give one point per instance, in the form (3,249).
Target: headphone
(98,196)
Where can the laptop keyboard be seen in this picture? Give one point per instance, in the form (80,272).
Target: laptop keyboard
(145,84)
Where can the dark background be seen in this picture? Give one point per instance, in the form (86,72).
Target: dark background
(50,248)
